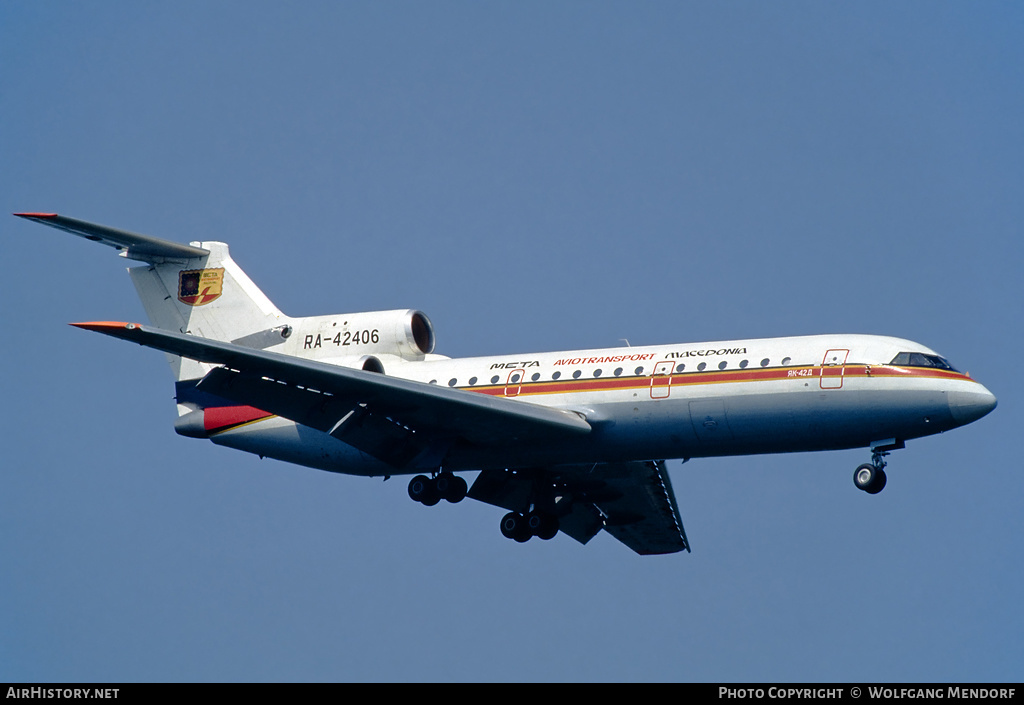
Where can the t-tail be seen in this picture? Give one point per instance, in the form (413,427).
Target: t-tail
(195,288)
(199,290)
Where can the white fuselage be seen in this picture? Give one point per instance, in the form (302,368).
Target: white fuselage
(571,442)
(771,395)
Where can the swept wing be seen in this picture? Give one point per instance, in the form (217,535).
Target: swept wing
(393,419)
(400,421)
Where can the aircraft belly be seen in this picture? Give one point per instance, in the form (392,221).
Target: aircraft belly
(736,424)
(828,420)
(290,442)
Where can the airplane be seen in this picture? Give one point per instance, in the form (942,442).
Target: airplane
(566,442)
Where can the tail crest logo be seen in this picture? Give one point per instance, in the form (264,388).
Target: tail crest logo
(197,287)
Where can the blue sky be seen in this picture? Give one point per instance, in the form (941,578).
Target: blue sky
(534,176)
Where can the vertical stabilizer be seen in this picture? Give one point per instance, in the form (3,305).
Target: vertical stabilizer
(208,296)
(195,288)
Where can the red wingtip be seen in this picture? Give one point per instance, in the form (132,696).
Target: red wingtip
(105,326)
(36,215)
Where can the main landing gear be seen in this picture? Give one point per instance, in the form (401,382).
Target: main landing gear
(541,503)
(444,485)
(522,527)
(870,477)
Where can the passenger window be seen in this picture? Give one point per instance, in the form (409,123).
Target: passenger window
(681,367)
(472,381)
(494,379)
(452,382)
(576,374)
(556,374)
(618,371)
(764,362)
(536,376)
(786,360)
(638,371)
(597,372)
(702,366)
(743,364)
(722,365)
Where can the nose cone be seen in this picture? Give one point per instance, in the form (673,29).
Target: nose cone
(971,406)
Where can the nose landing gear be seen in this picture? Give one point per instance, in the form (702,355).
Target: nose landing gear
(870,477)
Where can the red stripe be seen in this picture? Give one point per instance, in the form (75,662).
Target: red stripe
(221,418)
(680,379)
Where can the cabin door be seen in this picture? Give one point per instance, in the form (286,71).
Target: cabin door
(833,365)
(661,379)
(514,384)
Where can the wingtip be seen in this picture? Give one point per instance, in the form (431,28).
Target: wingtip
(105,326)
(35,215)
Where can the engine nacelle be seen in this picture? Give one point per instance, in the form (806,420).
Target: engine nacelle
(350,339)
(407,334)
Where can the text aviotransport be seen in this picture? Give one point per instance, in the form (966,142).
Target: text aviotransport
(606,359)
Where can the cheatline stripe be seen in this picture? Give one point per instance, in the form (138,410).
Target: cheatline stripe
(683,379)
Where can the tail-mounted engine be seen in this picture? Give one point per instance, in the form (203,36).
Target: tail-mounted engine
(368,341)
(406,334)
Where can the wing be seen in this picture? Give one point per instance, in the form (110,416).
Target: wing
(132,245)
(632,501)
(396,420)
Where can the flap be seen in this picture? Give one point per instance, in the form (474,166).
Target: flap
(645,516)
(632,501)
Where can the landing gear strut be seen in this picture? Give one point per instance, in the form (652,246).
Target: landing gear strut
(870,477)
(444,485)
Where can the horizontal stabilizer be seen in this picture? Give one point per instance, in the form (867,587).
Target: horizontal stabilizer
(132,245)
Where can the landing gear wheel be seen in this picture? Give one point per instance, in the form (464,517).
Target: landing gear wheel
(514,526)
(879,482)
(451,487)
(869,478)
(509,524)
(459,491)
(424,490)
(542,525)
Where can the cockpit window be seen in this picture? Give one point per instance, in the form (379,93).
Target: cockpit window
(913,359)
